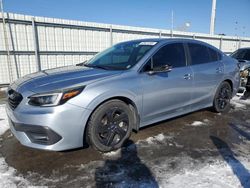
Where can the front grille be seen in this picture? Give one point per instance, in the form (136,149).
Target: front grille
(14,98)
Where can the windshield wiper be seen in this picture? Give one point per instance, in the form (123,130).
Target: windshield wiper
(81,64)
(97,66)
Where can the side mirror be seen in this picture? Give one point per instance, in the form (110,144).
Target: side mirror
(161,69)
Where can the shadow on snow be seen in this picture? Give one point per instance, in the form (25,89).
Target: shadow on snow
(228,155)
(126,171)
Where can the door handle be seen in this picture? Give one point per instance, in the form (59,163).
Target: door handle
(187,76)
(219,70)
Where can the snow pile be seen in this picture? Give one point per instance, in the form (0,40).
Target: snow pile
(240,103)
(159,138)
(199,123)
(112,153)
(8,176)
(4,126)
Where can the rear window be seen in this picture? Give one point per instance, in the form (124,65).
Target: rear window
(214,55)
(199,53)
(202,54)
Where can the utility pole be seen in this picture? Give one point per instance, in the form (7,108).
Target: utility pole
(6,42)
(212,21)
(172,23)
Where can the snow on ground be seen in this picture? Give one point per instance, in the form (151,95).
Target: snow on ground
(213,172)
(197,123)
(159,137)
(217,175)
(4,126)
(239,102)
(112,153)
(8,177)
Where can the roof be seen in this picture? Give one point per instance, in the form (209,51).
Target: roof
(172,40)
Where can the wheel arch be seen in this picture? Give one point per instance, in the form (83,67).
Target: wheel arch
(231,84)
(126,100)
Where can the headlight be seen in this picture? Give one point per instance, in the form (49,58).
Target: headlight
(54,99)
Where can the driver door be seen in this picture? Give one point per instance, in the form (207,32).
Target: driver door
(166,93)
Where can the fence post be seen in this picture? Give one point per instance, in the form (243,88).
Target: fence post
(13,48)
(239,45)
(36,44)
(160,33)
(221,41)
(6,44)
(111,35)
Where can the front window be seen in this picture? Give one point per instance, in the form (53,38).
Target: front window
(122,56)
(170,55)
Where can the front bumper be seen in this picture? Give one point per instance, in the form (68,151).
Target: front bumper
(37,134)
(50,128)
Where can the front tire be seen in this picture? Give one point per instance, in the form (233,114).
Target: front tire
(222,98)
(110,125)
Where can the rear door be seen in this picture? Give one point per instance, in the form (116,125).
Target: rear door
(208,72)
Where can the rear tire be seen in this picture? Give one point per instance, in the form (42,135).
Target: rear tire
(110,125)
(222,98)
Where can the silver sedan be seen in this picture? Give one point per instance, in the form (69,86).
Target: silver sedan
(128,86)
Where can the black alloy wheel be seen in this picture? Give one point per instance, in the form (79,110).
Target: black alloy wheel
(113,127)
(223,97)
(110,125)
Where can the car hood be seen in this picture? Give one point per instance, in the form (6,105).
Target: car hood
(61,78)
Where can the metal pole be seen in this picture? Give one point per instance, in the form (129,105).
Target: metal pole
(212,21)
(221,41)
(6,43)
(13,48)
(172,24)
(111,35)
(239,44)
(36,44)
(160,33)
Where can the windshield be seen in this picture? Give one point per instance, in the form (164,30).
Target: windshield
(122,56)
(242,54)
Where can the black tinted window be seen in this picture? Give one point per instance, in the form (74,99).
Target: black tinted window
(171,54)
(213,54)
(247,55)
(199,53)
(219,56)
(242,54)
